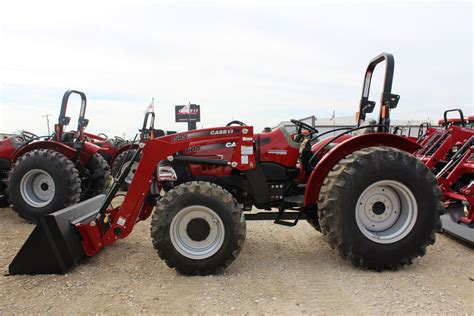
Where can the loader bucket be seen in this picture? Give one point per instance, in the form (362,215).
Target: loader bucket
(451,225)
(55,246)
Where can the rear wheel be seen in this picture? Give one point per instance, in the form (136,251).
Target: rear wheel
(3,193)
(380,208)
(42,182)
(198,228)
(98,178)
(4,199)
(120,163)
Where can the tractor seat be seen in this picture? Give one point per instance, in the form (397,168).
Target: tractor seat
(455,121)
(68,137)
(441,122)
(370,123)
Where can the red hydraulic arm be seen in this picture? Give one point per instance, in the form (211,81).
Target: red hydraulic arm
(117,223)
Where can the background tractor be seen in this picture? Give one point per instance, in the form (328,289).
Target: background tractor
(50,174)
(125,153)
(110,148)
(8,147)
(449,154)
(377,204)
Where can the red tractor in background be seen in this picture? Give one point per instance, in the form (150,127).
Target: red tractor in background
(8,146)
(449,153)
(125,153)
(378,205)
(110,148)
(50,174)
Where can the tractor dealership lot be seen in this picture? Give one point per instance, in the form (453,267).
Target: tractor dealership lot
(280,270)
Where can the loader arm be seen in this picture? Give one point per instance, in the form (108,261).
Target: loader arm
(64,237)
(135,206)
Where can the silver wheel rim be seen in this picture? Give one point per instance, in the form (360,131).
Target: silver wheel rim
(37,188)
(386,211)
(131,174)
(188,247)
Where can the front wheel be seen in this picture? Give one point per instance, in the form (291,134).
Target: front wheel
(198,228)
(380,208)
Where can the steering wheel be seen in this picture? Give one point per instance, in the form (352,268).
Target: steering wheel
(27,136)
(237,123)
(119,139)
(303,126)
(103,136)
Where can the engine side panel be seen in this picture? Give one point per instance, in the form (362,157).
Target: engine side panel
(278,147)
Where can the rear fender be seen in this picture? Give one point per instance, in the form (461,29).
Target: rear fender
(59,147)
(88,150)
(343,149)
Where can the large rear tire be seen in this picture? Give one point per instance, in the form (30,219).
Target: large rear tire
(4,200)
(42,182)
(380,208)
(3,193)
(198,228)
(121,161)
(98,179)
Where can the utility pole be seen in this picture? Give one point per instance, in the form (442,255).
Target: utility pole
(47,122)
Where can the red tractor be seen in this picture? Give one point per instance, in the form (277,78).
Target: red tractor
(8,146)
(110,148)
(47,175)
(125,152)
(449,153)
(378,205)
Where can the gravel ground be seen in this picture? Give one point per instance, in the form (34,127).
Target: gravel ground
(280,271)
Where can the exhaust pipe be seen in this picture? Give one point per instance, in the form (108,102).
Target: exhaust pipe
(55,244)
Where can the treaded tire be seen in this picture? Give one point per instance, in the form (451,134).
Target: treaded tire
(65,176)
(3,194)
(347,181)
(99,177)
(314,222)
(118,162)
(198,193)
(4,200)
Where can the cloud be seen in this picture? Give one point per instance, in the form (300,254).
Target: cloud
(258,62)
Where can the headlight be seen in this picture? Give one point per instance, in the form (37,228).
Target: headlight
(166,173)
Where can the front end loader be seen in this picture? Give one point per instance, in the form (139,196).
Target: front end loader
(378,205)
(449,154)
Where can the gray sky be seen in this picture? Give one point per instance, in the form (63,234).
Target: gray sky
(259,62)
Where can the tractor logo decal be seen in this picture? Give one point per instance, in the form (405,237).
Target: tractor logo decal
(179,137)
(192,149)
(277,152)
(222,132)
(231,144)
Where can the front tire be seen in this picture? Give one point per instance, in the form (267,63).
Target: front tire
(198,228)
(42,182)
(380,208)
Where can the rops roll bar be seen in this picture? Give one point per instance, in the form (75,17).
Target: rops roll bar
(387,101)
(64,120)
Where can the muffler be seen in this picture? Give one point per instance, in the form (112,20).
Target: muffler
(55,245)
